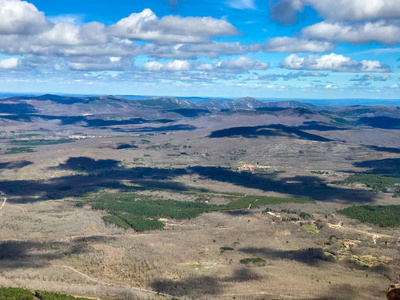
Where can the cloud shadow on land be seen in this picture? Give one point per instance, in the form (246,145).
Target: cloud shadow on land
(381,122)
(198,286)
(313,125)
(190,112)
(346,292)
(243,274)
(87,121)
(179,127)
(87,164)
(28,254)
(16,108)
(382,166)
(310,256)
(204,285)
(314,257)
(96,175)
(298,186)
(266,131)
(15,164)
(383,149)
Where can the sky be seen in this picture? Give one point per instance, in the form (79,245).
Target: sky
(322,49)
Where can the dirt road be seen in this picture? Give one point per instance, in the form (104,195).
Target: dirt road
(3,195)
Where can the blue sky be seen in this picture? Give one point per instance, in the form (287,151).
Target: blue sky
(233,48)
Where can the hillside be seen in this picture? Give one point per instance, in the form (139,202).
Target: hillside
(111,110)
(165,197)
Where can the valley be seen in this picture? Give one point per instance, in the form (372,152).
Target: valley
(109,198)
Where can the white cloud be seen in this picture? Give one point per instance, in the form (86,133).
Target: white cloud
(115,48)
(290,76)
(25,31)
(331,86)
(89,63)
(241,4)
(285,11)
(381,31)
(9,63)
(170,29)
(333,62)
(256,47)
(289,44)
(176,65)
(356,10)
(74,35)
(242,64)
(153,66)
(115,59)
(370,77)
(204,67)
(185,51)
(239,65)
(21,17)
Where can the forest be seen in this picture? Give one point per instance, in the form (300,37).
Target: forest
(378,182)
(141,212)
(23,294)
(383,216)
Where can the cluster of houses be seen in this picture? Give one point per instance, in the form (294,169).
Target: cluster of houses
(251,168)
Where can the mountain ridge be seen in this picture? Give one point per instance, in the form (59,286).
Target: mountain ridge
(110,104)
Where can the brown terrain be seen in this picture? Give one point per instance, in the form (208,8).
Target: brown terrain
(171,149)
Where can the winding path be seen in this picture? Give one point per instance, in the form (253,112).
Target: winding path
(340,226)
(3,195)
(116,285)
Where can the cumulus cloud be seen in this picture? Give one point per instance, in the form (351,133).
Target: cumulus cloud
(170,29)
(241,64)
(21,17)
(114,47)
(204,67)
(356,10)
(153,66)
(27,32)
(176,65)
(89,63)
(241,4)
(9,63)
(333,62)
(370,77)
(289,44)
(185,51)
(285,11)
(73,35)
(67,45)
(381,31)
(24,30)
(331,86)
(290,76)
(350,21)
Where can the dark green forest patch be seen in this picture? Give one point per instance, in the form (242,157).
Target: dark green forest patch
(384,216)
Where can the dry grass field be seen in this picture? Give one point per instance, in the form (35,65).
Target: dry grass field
(49,241)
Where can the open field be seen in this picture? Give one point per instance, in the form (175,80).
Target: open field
(215,206)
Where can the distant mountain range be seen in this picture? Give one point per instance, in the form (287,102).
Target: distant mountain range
(158,108)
